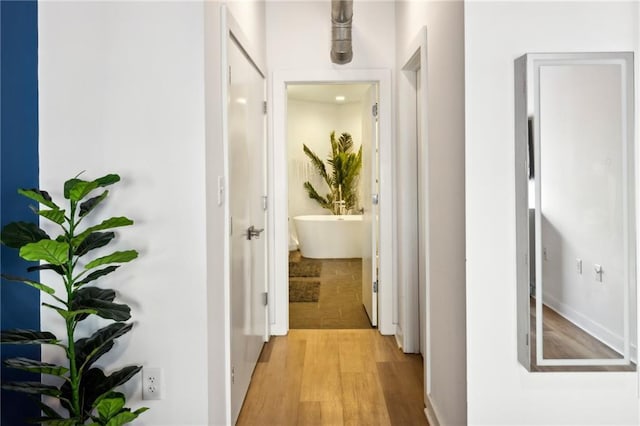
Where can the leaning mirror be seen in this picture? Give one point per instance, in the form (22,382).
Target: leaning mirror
(575,212)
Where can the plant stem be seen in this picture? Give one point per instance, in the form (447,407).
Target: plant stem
(71,321)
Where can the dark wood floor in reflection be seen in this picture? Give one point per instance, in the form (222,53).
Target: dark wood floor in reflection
(340,302)
(562,340)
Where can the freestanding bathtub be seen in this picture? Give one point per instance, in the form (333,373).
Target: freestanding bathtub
(329,236)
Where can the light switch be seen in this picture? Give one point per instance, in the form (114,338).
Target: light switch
(599,272)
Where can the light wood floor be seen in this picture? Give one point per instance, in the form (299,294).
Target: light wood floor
(335,377)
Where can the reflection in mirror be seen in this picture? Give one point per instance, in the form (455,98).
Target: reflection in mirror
(575,212)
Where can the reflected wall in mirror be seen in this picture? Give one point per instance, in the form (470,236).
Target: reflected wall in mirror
(575,212)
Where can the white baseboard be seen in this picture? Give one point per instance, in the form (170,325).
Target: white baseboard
(398,336)
(430,413)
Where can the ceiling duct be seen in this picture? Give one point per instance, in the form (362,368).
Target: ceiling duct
(341,19)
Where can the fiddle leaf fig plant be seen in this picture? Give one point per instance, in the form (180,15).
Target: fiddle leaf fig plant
(343,178)
(85,392)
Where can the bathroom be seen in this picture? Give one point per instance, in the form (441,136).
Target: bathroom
(328,235)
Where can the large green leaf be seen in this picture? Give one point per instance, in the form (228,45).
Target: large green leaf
(97,274)
(75,189)
(95,384)
(17,234)
(108,310)
(91,203)
(115,257)
(66,314)
(107,180)
(54,215)
(89,349)
(41,197)
(93,241)
(36,388)
(59,269)
(100,300)
(46,409)
(110,223)
(50,251)
(27,337)
(49,421)
(33,366)
(39,286)
(110,405)
(122,418)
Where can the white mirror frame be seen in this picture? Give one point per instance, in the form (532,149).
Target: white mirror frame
(528,72)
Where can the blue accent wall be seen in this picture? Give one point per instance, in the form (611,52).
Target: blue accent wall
(19,304)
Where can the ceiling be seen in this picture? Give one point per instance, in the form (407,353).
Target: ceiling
(327,92)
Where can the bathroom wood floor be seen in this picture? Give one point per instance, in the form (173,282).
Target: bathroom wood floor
(340,301)
(334,377)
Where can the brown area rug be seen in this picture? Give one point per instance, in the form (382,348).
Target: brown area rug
(304,291)
(305,268)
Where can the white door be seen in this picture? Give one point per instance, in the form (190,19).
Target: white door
(369,177)
(248,247)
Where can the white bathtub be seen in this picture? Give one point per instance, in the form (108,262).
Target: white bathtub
(329,236)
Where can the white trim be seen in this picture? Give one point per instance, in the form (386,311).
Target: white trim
(430,413)
(416,60)
(278,189)
(224,74)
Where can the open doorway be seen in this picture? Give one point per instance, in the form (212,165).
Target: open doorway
(332,145)
(385,316)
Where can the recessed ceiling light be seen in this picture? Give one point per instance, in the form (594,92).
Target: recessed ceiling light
(340,98)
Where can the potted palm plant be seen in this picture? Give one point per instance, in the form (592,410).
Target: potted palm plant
(85,393)
(343,178)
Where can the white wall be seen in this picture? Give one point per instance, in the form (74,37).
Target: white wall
(500,391)
(119,93)
(311,123)
(445,86)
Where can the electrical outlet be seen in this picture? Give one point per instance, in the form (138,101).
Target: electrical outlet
(152,383)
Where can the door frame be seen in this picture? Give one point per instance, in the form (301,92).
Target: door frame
(279,191)
(229,28)
(415,61)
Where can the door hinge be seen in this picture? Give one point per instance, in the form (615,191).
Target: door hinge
(526,339)
(264,107)
(265,201)
(229,75)
(230,225)
(374,110)
(375,199)
(375,286)
(233,375)
(265,298)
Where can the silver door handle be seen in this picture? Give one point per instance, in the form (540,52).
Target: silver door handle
(253,232)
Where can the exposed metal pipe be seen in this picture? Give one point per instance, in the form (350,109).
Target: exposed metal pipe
(341,19)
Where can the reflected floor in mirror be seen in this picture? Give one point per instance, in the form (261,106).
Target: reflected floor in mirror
(563,339)
(335,377)
(325,293)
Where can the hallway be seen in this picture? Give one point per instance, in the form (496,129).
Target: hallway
(334,377)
